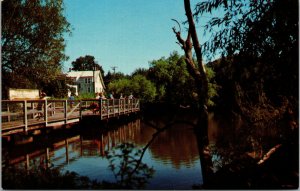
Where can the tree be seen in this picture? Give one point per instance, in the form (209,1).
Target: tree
(259,41)
(120,86)
(140,87)
(174,85)
(197,70)
(141,71)
(86,63)
(143,88)
(32,42)
(110,77)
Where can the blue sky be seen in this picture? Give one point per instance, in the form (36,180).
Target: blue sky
(122,33)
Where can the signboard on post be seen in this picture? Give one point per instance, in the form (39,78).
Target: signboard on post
(14,94)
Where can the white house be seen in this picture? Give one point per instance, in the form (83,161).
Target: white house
(86,81)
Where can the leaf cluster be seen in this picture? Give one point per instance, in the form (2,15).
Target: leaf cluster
(138,85)
(32,41)
(232,25)
(130,172)
(86,63)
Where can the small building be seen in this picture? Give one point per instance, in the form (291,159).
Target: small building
(86,82)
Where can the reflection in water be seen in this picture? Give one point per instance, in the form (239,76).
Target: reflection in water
(176,147)
(236,151)
(230,140)
(173,154)
(127,167)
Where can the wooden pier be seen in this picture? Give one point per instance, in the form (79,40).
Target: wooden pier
(27,115)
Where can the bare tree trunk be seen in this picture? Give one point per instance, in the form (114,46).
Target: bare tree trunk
(199,74)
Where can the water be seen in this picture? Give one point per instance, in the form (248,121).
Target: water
(171,157)
(172,154)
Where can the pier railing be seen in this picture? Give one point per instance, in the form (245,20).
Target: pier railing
(24,115)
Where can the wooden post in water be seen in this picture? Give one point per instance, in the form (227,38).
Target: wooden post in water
(81,149)
(25,115)
(47,157)
(27,164)
(67,150)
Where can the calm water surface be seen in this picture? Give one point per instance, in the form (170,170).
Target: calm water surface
(173,154)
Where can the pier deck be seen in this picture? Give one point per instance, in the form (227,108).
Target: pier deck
(26,115)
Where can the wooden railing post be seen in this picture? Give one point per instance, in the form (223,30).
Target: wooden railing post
(100,107)
(113,103)
(53,108)
(45,112)
(8,112)
(107,108)
(120,106)
(65,111)
(25,115)
(124,106)
(80,109)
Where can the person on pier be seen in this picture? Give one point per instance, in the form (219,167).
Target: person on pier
(101,98)
(98,95)
(111,95)
(72,98)
(130,96)
(39,108)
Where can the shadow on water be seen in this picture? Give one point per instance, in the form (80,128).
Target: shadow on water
(138,155)
(252,156)
(157,151)
(129,171)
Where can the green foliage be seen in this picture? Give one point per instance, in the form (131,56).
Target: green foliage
(113,77)
(172,79)
(120,86)
(56,88)
(260,73)
(143,88)
(86,63)
(86,96)
(32,42)
(213,87)
(140,71)
(138,85)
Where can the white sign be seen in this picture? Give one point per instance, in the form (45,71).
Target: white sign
(23,94)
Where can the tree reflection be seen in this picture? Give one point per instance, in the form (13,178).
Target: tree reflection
(39,177)
(127,166)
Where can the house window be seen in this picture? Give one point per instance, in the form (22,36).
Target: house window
(88,80)
(89,89)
